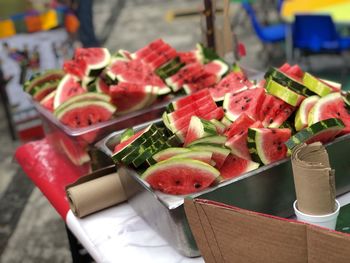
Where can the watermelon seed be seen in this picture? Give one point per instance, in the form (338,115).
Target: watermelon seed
(197,185)
(273,131)
(338,113)
(271,121)
(245,97)
(177,182)
(248,100)
(242,107)
(279,148)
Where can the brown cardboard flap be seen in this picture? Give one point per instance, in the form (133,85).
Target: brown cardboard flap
(229,234)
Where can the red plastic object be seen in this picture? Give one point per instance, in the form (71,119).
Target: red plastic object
(49,170)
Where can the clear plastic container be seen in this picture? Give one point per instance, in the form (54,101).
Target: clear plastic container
(76,143)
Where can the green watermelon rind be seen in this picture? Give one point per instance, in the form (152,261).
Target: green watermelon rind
(316,85)
(172,163)
(173,151)
(301,118)
(214,139)
(332,124)
(126,134)
(88,96)
(193,154)
(219,125)
(140,149)
(43,78)
(283,93)
(287,81)
(253,147)
(38,91)
(116,157)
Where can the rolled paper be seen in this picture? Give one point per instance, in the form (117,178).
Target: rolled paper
(95,195)
(314,179)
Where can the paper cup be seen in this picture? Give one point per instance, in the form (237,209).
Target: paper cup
(328,220)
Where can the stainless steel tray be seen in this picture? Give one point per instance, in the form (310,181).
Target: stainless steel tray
(268,189)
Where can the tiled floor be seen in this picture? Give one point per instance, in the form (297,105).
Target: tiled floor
(30,229)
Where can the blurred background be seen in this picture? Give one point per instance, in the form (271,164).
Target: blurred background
(263,33)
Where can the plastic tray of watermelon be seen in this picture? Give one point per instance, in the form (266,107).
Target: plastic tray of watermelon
(75,143)
(268,189)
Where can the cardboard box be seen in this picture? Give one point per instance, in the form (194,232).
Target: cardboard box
(230,234)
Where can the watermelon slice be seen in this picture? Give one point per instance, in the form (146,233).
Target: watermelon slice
(284,93)
(213,139)
(235,166)
(169,152)
(219,153)
(47,102)
(129,97)
(323,131)
(184,101)
(92,60)
(77,155)
(43,78)
(317,86)
(101,86)
(199,128)
(203,156)
(242,123)
(42,91)
(335,86)
(68,87)
(232,83)
(267,145)
(330,106)
(129,132)
(247,101)
(189,57)
(220,127)
(238,143)
(301,117)
(85,113)
(180,176)
(287,80)
(217,68)
(274,112)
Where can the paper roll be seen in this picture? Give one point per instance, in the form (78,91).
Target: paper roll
(95,195)
(314,179)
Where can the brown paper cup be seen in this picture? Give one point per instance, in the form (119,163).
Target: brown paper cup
(95,195)
(314,179)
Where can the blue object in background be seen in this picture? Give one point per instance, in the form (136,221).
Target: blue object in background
(267,34)
(317,34)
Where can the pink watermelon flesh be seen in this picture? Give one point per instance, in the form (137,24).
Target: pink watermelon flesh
(273,143)
(336,109)
(102,85)
(188,57)
(238,142)
(274,111)
(180,179)
(235,166)
(135,71)
(192,134)
(182,102)
(247,101)
(122,145)
(85,116)
(76,153)
(325,136)
(129,97)
(47,102)
(239,126)
(44,91)
(191,107)
(206,80)
(74,68)
(71,87)
(285,67)
(233,82)
(90,56)
(295,72)
(205,157)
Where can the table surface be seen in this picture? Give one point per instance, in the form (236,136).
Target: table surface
(338,9)
(116,234)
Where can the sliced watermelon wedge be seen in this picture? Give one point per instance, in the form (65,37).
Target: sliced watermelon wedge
(241,125)
(247,101)
(169,152)
(219,153)
(267,145)
(180,176)
(235,166)
(68,87)
(301,117)
(199,128)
